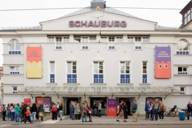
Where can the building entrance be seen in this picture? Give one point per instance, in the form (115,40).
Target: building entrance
(128,101)
(96,102)
(70,101)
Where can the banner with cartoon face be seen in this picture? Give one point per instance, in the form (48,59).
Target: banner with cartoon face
(162,62)
(34,62)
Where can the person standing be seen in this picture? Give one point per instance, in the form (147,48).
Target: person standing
(4,112)
(8,112)
(134,110)
(72,110)
(27,115)
(99,109)
(89,112)
(33,112)
(41,112)
(125,111)
(120,112)
(54,112)
(23,110)
(148,108)
(77,111)
(84,112)
(155,110)
(60,109)
(161,110)
(189,110)
(17,113)
(12,109)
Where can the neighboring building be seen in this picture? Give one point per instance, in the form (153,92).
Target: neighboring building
(186,13)
(94,54)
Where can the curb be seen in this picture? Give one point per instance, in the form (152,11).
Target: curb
(129,123)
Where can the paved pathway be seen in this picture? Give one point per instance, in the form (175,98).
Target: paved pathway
(102,121)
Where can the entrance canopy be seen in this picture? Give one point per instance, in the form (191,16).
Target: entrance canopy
(99,90)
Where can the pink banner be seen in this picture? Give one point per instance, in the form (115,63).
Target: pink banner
(162,62)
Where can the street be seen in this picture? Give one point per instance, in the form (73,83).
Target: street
(102,122)
(94,126)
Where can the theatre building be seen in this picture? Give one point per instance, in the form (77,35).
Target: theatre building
(98,54)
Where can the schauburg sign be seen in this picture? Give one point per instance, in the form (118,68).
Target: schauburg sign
(97,24)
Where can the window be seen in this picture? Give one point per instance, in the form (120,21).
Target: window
(51,39)
(130,39)
(103,38)
(14,89)
(77,39)
(98,72)
(144,72)
(58,42)
(182,70)
(111,39)
(187,17)
(182,89)
(138,46)
(92,38)
(14,47)
(58,38)
(144,78)
(138,39)
(84,39)
(52,72)
(125,72)
(183,47)
(119,39)
(111,47)
(71,72)
(65,38)
(14,70)
(85,47)
(191,13)
(145,39)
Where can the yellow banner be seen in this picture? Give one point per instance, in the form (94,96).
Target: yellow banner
(34,70)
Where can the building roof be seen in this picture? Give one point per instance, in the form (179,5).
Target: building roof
(34,28)
(187,7)
(107,10)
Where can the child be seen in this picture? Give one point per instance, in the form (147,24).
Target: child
(28,115)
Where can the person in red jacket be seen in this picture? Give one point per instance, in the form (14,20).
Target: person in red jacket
(28,115)
(54,112)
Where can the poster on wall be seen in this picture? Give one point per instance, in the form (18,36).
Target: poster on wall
(111,107)
(27,101)
(34,62)
(45,101)
(162,62)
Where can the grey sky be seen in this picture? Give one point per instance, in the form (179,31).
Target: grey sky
(170,18)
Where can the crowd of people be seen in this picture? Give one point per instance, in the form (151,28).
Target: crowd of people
(154,110)
(22,113)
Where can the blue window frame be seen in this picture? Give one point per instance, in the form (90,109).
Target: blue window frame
(98,78)
(144,79)
(125,78)
(71,78)
(52,78)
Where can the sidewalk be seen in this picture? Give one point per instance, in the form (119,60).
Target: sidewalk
(109,121)
(112,121)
